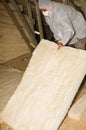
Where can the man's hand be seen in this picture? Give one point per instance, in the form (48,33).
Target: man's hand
(59,44)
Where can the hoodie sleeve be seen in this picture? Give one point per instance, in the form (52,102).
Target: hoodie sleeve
(63,29)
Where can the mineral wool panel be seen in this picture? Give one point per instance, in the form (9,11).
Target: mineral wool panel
(78,110)
(47,88)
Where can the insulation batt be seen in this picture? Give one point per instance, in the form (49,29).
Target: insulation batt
(47,88)
(78,110)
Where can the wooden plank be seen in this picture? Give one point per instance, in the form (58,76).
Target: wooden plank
(39,19)
(47,89)
(10,12)
(26,25)
(30,18)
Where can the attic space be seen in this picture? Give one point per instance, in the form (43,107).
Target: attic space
(22,27)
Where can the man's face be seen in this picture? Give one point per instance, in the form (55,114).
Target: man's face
(44,11)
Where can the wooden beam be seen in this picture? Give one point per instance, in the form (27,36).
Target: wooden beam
(16,23)
(39,19)
(30,18)
(31,36)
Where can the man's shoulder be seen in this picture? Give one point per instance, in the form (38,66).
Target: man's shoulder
(62,7)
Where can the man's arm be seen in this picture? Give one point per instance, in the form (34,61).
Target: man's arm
(63,31)
(60,44)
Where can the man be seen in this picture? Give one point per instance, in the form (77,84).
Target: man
(67,24)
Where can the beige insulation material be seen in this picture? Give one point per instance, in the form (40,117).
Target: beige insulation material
(9,80)
(47,88)
(78,110)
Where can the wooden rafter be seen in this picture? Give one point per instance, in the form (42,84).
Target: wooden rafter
(26,25)
(10,12)
(39,19)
